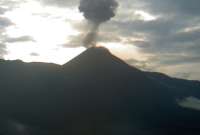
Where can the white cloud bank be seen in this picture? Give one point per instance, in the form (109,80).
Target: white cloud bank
(191,103)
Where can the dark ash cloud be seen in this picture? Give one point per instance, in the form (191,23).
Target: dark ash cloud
(96,12)
(90,38)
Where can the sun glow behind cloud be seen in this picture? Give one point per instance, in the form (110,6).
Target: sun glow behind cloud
(125,51)
(49,27)
(56,55)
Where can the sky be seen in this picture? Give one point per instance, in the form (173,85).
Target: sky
(153,35)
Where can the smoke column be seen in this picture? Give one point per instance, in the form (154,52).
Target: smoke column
(96,12)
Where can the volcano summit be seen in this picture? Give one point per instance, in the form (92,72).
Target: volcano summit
(95,93)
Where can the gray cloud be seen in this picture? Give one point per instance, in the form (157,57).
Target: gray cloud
(5,22)
(143,65)
(2,50)
(175,59)
(183,7)
(163,36)
(140,43)
(8,5)
(178,8)
(188,36)
(2,10)
(166,27)
(74,41)
(34,54)
(19,39)
(60,3)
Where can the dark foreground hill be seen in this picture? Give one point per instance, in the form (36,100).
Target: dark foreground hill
(96,93)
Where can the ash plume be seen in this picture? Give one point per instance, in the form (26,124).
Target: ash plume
(96,12)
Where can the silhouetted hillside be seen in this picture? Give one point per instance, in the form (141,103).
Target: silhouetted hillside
(95,93)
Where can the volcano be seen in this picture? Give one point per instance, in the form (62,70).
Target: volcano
(95,93)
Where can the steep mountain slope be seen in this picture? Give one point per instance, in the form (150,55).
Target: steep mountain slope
(95,93)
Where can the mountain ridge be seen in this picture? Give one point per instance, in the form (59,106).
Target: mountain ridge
(99,89)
